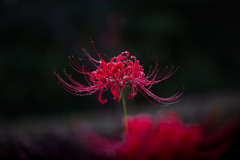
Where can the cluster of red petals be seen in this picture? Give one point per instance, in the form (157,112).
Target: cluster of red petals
(115,75)
(162,138)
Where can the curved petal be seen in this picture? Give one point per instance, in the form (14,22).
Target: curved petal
(100,98)
(133,93)
(114,90)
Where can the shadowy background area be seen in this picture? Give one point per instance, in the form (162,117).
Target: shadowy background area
(201,36)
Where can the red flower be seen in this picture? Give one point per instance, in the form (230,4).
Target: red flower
(164,138)
(119,73)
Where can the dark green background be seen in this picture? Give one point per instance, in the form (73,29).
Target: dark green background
(201,36)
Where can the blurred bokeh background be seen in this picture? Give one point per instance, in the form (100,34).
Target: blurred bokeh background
(201,36)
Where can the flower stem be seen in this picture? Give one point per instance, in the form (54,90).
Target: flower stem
(125,111)
(126,119)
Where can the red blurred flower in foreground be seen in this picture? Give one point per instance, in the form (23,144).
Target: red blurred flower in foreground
(117,74)
(164,138)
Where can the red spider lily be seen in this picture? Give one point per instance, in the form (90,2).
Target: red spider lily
(117,74)
(164,138)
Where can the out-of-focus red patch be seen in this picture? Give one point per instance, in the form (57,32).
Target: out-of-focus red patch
(166,137)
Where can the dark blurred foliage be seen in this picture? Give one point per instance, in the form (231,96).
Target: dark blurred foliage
(201,36)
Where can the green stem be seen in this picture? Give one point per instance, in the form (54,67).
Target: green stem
(125,111)
(125,118)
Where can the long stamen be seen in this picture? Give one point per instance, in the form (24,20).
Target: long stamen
(87,54)
(139,89)
(86,78)
(75,66)
(161,100)
(87,69)
(72,80)
(153,79)
(149,70)
(162,73)
(167,76)
(153,71)
(71,89)
(96,49)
